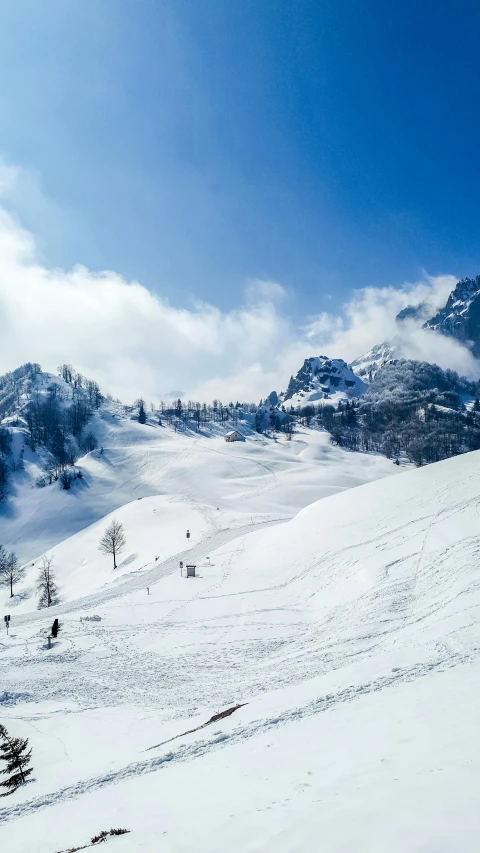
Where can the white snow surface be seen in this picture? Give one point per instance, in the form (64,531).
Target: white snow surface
(350,635)
(260,478)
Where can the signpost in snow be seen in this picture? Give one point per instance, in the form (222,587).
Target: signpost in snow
(7,622)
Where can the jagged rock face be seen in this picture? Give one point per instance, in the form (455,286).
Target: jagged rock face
(411,312)
(414,312)
(460,318)
(319,378)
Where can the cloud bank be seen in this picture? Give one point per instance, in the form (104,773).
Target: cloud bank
(369,318)
(136,343)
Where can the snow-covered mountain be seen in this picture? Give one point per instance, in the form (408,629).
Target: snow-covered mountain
(318,679)
(460,317)
(321,378)
(368,365)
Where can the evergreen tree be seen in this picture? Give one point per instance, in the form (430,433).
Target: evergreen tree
(5,441)
(258,422)
(13,750)
(142,417)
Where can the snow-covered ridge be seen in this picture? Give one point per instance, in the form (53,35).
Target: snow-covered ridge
(460,318)
(322,378)
(368,365)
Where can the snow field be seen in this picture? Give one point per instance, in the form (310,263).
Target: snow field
(256,480)
(155,529)
(351,632)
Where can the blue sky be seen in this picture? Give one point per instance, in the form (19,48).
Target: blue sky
(194,144)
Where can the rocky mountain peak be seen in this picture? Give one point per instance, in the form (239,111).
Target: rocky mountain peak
(460,317)
(320,378)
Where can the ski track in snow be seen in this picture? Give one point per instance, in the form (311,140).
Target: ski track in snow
(145,577)
(200,748)
(363,594)
(301,650)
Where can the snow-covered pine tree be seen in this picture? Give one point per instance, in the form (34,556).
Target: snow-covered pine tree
(13,750)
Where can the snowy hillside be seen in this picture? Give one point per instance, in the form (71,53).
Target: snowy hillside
(260,478)
(350,638)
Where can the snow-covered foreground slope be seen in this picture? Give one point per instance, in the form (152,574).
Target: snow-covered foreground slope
(352,635)
(261,477)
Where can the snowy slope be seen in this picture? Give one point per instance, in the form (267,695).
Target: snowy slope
(261,477)
(351,632)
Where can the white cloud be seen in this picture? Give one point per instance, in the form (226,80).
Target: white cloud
(369,318)
(134,342)
(129,339)
(259,290)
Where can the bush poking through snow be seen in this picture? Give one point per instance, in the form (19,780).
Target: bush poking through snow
(97,839)
(66,480)
(103,835)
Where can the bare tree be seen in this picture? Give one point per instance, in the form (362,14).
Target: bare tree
(10,570)
(46,584)
(89,442)
(113,540)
